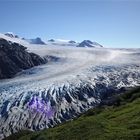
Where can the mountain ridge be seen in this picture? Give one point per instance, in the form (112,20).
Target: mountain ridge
(38,40)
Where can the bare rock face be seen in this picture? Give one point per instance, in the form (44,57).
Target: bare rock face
(14,58)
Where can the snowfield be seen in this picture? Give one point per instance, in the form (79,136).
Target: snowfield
(76,80)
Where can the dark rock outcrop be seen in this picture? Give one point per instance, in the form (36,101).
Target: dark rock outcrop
(14,58)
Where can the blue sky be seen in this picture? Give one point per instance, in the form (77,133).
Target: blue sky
(110,23)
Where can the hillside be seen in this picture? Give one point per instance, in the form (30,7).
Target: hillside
(15,58)
(119,121)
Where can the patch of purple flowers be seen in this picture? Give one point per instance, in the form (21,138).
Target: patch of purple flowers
(39,105)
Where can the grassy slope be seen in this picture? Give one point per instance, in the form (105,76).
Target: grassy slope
(116,122)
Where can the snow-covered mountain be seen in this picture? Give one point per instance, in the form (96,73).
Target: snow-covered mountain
(12,35)
(62,42)
(54,42)
(35,41)
(78,78)
(15,38)
(85,43)
(88,43)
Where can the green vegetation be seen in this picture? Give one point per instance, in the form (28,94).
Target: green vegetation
(120,121)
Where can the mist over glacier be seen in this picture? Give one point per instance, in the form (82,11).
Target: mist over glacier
(75,80)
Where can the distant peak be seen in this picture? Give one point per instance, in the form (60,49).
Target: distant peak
(62,41)
(72,41)
(88,43)
(37,40)
(11,34)
(51,40)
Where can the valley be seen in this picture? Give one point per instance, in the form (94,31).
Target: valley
(73,80)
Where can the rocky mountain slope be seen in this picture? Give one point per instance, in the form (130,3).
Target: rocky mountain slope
(14,58)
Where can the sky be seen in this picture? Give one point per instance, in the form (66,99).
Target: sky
(112,23)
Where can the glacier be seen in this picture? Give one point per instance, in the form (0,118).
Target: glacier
(49,94)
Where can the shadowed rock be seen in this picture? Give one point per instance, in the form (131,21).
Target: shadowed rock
(14,58)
